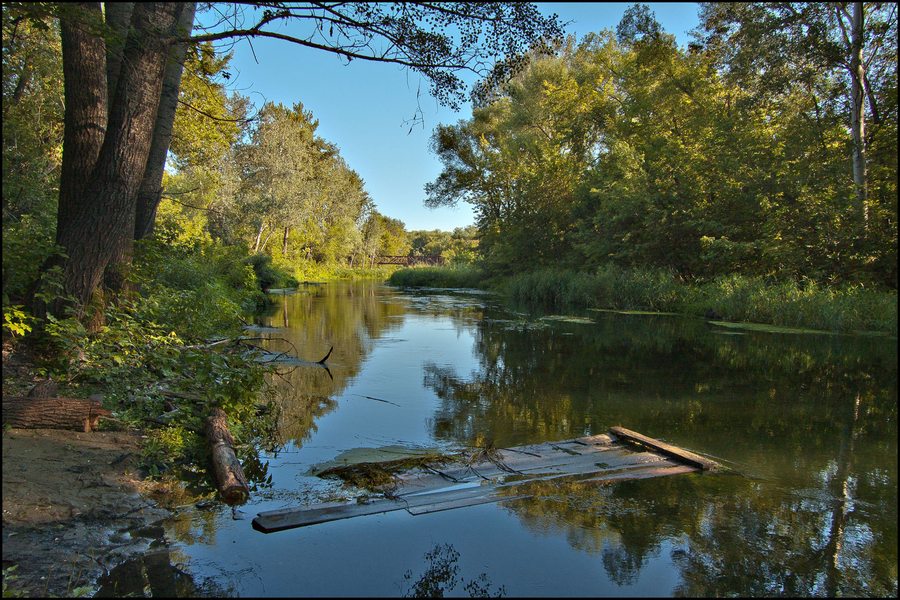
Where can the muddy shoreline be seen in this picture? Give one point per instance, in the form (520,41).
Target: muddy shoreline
(74,508)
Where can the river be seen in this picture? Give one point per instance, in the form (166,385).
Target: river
(806,423)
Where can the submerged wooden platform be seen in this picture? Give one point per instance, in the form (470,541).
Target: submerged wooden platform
(501,474)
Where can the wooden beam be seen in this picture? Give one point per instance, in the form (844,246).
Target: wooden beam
(674,451)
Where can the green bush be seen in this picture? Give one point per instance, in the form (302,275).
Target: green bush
(27,242)
(269,275)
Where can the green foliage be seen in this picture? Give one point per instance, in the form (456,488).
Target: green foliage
(150,374)
(32,144)
(268,275)
(27,242)
(32,113)
(315,271)
(462,276)
(627,150)
(457,247)
(16,321)
(551,288)
(9,577)
(732,297)
(198,291)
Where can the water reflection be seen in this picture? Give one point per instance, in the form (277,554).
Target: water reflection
(808,423)
(441,575)
(347,318)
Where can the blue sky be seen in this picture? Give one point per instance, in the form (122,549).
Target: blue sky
(365,108)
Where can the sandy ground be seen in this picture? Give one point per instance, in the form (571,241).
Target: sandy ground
(73,508)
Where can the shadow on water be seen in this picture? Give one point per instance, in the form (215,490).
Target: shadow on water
(157,573)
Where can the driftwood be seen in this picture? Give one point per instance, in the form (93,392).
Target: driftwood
(230,477)
(53,413)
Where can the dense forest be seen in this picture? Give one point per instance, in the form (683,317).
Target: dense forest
(738,154)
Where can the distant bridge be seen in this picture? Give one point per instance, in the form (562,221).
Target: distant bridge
(410,260)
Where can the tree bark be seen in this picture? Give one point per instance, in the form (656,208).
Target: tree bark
(284,241)
(52,413)
(230,478)
(151,186)
(100,223)
(84,64)
(118,20)
(854,42)
(259,233)
(22,83)
(266,241)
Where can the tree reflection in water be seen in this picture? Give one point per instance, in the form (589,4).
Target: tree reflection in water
(442,575)
(810,422)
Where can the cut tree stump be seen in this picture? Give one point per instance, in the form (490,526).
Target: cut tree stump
(53,413)
(230,477)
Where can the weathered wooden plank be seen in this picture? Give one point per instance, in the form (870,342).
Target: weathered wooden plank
(520,465)
(484,498)
(504,476)
(645,473)
(425,503)
(289,518)
(668,449)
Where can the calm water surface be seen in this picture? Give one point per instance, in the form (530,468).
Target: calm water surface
(808,423)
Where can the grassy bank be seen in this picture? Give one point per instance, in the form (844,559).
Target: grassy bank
(450,277)
(728,297)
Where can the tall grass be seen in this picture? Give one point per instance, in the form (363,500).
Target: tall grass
(448,277)
(729,297)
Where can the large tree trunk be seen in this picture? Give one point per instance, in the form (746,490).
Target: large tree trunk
(854,42)
(101,219)
(151,187)
(118,20)
(85,95)
(84,72)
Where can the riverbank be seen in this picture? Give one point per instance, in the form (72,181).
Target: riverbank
(725,298)
(74,507)
(75,504)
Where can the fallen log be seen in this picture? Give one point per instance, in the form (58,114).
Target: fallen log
(53,413)
(230,477)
